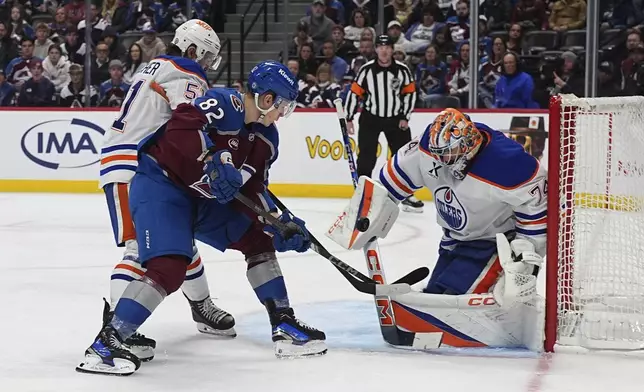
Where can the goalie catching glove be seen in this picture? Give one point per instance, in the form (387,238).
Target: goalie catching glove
(370,213)
(521,265)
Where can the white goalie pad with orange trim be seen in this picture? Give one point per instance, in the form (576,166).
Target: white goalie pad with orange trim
(370,213)
(469,321)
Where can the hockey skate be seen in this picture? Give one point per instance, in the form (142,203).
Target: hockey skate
(292,337)
(211,319)
(411,204)
(138,344)
(107,355)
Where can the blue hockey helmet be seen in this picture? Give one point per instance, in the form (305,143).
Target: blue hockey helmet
(273,77)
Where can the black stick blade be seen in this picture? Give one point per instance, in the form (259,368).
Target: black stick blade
(414,276)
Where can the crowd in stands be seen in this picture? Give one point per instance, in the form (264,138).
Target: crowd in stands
(528,49)
(43,49)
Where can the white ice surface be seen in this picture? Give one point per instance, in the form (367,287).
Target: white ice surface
(57,256)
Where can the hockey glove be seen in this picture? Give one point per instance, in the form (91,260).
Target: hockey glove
(521,265)
(223,178)
(296,237)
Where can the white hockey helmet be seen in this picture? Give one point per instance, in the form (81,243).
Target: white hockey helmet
(199,33)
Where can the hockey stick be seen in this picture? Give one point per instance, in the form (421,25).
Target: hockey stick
(386,317)
(413,277)
(368,287)
(347,142)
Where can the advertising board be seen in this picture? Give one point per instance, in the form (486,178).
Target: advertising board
(59,150)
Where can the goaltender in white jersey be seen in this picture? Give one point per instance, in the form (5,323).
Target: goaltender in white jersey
(165,83)
(490,198)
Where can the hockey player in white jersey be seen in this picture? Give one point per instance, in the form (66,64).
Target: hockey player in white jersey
(167,81)
(484,185)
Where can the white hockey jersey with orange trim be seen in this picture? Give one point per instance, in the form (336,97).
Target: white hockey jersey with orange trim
(504,190)
(156,91)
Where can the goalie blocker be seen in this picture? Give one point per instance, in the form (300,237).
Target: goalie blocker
(496,303)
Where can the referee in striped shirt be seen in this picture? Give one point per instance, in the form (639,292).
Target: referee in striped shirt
(387,88)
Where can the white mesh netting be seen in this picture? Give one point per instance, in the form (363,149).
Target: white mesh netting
(601,223)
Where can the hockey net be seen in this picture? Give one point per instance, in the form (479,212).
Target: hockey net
(595,259)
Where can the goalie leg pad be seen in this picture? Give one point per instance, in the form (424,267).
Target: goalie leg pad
(467,268)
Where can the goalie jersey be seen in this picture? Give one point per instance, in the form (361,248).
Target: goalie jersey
(504,190)
(157,90)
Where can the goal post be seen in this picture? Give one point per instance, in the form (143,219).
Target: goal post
(595,251)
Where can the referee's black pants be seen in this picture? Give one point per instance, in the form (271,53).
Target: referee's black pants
(369,130)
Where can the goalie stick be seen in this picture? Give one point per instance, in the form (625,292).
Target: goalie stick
(368,286)
(386,317)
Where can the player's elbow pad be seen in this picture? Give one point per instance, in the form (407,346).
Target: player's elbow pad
(186,118)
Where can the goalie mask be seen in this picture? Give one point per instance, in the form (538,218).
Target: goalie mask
(453,140)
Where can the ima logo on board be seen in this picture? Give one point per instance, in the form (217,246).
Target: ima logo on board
(63,144)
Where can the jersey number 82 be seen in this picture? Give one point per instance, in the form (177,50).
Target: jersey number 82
(211,114)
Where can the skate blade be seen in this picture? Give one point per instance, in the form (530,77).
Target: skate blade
(144,353)
(415,210)
(227,333)
(287,349)
(95,365)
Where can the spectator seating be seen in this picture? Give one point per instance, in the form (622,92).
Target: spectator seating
(542,50)
(531,62)
(550,54)
(129,38)
(573,40)
(41,18)
(608,37)
(536,42)
(150,14)
(502,34)
(539,46)
(446,102)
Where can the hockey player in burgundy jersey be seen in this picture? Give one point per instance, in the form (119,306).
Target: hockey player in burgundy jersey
(165,83)
(188,173)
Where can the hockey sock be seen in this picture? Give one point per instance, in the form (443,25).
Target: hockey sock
(138,302)
(265,276)
(126,271)
(195,286)
(163,277)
